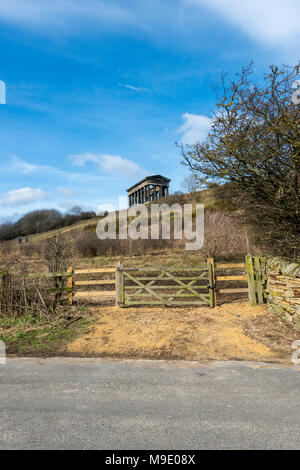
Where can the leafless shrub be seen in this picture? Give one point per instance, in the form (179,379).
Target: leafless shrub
(38,295)
(20,295)
(30,249)
(57,254)
(223,237)
(89,246)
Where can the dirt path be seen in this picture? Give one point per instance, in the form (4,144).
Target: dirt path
(233,331)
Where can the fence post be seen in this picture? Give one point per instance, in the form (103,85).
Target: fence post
(70,285)
(258,276)
(119,286)
(5,282)
(251,280)
(212,282)
(264,278)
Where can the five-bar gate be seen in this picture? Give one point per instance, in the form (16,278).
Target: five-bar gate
(169,286)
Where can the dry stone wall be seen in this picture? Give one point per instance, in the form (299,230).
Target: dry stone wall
(283,287)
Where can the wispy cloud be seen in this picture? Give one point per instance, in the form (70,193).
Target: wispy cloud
(271,22)
(66,192)
(18,166)
(131,87)
(195,128)
(61,13)
(110,164)
(23,196)
(274,22)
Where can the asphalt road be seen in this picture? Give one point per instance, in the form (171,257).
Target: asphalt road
(66,403)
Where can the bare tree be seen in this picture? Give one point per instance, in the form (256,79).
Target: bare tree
(254,145)
(190,183)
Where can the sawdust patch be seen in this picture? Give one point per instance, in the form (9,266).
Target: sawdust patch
(231,331)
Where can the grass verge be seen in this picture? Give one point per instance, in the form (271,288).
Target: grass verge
(34,336)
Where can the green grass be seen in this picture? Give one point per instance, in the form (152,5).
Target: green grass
(30,335)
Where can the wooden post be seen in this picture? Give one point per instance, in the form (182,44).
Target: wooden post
(251,280)
(5,282)
(119,286)
(70,285)
(258,276)
(264,278)
(212,282)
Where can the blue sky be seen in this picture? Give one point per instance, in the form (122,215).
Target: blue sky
(99,91)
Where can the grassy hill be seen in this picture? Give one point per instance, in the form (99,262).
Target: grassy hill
(224,240)
(205,197)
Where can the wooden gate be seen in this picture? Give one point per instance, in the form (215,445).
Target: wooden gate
(175,286)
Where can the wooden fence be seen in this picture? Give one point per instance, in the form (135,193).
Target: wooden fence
(79,279)
(170,286)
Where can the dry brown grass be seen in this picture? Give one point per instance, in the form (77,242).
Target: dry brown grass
(230,332)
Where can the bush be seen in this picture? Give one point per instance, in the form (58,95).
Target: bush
(88,245)
(223,238)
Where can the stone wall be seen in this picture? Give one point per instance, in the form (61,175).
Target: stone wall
(283,289)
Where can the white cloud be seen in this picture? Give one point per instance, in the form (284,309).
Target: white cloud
(66,192)
(272,22)
(130,87)
(58,12)
(16,197)
(275,22)
(81,159)
(111,164)
(19,166)
(195,128)
(120,166)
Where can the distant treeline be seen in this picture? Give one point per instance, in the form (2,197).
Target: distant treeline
(42,221)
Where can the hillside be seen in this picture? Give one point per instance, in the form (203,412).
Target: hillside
(224,240)
(202,197)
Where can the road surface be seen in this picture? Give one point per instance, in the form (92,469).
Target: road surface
(69,403)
